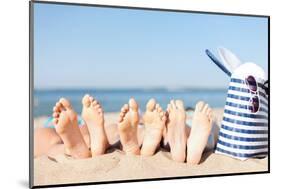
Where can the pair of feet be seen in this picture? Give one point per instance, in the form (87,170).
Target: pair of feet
(154,121)
(187,144)
(66,125)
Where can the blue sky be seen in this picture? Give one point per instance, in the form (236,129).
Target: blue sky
(89,47)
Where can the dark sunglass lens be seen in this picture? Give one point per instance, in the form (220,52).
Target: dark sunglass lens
(255,104)
(251,83)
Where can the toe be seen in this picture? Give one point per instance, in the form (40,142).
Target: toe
(125,108)
(133,105)
(86,101)
(91,98)
(99,110)
(120,119)
(55,114)
(180,104)
(157,107)
(173,104)
(162,115)
(55,121)
(169,108)
(210,113)
(122,114)
(66,104)
(205,108)
(97,106)
(58,106)
(94,102)
(151,104)
(56,109)
(199,106)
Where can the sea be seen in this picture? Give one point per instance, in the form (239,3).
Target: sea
(113,99)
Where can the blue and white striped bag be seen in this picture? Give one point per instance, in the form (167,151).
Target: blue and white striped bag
(244,133)
(244,127)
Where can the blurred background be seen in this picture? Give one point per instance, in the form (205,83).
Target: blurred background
(115,54)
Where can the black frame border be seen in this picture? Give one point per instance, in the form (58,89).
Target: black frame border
(31,90)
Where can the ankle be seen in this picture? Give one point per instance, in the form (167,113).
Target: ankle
(131,148)
(99,146)
(79,152)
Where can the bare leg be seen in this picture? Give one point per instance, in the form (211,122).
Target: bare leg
(200,131)
(44,140)
(56,150)
(128,126)
(66,125)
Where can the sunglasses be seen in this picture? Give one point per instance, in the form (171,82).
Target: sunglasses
(253,88)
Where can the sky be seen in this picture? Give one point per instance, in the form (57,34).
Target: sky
(93,47)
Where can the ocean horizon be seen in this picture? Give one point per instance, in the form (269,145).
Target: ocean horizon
(112,99)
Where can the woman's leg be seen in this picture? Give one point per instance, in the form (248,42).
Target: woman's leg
(44,140)
(48,142)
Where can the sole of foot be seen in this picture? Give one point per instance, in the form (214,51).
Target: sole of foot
(66,125)
(92,114)
(128,127)
(200,131)
(176,130)
(154,123)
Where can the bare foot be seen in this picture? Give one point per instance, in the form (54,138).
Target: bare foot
(154,122)
(66,125)
(128,126)
(92,114)
(200,131)
(177,130)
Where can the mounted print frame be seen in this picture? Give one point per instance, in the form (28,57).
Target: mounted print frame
(129,94)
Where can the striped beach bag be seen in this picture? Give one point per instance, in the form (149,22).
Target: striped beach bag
(244,127)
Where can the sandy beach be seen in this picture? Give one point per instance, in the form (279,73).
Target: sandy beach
(115,165)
